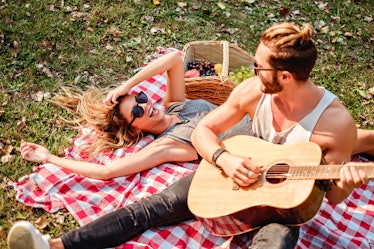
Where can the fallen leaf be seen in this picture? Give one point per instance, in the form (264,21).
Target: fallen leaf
(48,44)
(284,12)
(7,158)
(182,4)
(148,19)
(60,219)
(335,19)
(368,19)
(77,14)
(38,96)
(68,9)
(47,95)
(2,233)
(129,59)
(348,34)
(221,5)
(119,52)
(8,149)
(42,222)
(156,2)
(371,91)
(39,66)
(362,93)
(154,30)
(138,39)
(115,32)
(14,49)
(53,8)
(47,71)
(325,29)
(109,47)
(21,124)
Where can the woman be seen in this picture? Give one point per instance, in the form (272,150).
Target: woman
(123,119)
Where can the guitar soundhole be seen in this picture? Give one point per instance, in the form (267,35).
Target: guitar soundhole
(277,173)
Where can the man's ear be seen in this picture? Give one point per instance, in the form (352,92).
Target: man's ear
(286,75)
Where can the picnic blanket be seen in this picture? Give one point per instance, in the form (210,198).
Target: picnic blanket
(347,225)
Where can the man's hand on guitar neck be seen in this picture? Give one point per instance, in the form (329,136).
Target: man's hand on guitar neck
(242,170)
(351,177)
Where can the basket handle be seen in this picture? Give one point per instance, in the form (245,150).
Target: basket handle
(225,60)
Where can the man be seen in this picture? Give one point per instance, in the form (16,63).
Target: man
(286,107)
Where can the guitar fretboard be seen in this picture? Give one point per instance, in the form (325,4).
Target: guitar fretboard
(321,172)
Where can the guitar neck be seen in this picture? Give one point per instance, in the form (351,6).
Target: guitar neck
(323,172)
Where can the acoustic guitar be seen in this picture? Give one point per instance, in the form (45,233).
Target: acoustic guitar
(287,191)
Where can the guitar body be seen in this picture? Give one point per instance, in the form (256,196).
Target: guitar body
(227,212)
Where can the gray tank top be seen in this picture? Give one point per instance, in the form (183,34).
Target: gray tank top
(300,132)
(190,113)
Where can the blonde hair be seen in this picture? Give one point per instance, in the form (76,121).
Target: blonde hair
(88,108)
(292,48)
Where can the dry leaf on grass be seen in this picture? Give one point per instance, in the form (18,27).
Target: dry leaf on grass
(14,49)
(371,91)
(38,96)
(41,223)
(21,124)
(221,5)
(182,4)
(5,152)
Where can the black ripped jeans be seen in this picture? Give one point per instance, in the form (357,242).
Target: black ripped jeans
(165,208)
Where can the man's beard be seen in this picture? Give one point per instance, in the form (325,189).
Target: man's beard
(271,87)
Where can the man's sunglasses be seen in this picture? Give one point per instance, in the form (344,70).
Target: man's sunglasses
(138,111)
(257,69)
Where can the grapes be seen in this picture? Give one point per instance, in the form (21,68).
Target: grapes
(240,74)
(206,68)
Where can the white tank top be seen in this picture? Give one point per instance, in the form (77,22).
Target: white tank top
(300,132)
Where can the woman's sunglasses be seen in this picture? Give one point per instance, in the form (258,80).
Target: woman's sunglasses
(138,111)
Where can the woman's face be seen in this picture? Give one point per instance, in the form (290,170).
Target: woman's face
(151,117)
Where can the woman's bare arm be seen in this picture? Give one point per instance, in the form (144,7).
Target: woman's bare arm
(169,63)
(154,154)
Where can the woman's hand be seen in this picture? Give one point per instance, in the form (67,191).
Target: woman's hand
(112,96)
(34,152)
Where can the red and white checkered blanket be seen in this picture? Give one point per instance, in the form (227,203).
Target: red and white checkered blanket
(347,225)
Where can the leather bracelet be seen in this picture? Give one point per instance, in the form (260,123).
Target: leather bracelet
(217,154)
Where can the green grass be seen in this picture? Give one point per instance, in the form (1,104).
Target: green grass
(102,42)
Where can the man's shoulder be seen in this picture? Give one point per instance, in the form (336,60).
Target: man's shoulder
(335,127)
(337,110)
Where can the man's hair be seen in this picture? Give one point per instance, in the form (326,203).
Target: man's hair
(291,48)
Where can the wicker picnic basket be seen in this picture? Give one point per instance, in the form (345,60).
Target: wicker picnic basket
(215,89)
